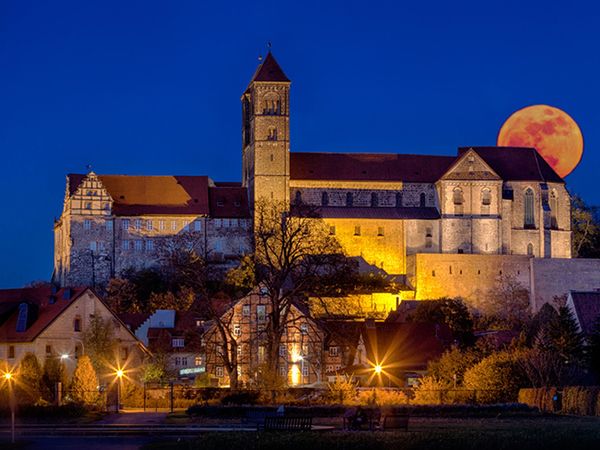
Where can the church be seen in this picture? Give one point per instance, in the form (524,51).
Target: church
(447,225)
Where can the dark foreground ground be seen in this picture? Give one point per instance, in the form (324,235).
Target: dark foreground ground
(571,433)
(541,432)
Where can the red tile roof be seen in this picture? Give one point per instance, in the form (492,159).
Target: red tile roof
(516,163)
(189,195)
(587,309)
(40,304)
(229,202)
(332,212)
(404,346)
(368,167)
(270,71)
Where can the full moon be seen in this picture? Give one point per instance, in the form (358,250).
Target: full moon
(551,131)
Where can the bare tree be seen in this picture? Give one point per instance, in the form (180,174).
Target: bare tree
(294,256)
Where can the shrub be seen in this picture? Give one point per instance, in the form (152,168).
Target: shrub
(496,378)
(430,391)
(580,400)
(84,385)
(342,390)
(541,398)
(30,387)
(241,398)
(382,397)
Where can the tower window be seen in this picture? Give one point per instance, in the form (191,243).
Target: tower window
(422,201)
(272,134)
(374,199)
(332,230)
(349,199)
(357,230)
(380,231)
(529,219)
(324,199)
(486,197)
(530,249)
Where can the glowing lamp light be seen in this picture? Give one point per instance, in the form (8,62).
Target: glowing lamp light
(378,369)
(64,356)
(295,375)
(120,373)
(7,376)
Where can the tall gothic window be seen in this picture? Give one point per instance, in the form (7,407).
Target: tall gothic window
(553,210)
(422,200)
(458,200)
(374,199)
(324,198)
(529,219)
(349,199)
(486,201)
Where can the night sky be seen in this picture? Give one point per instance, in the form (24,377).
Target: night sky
(153,87)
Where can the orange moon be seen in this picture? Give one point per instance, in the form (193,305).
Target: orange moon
(551,131)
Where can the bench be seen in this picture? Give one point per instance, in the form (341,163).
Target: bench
(281,423)
(394,422)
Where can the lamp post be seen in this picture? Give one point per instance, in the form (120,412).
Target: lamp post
(119,374)
(11,400)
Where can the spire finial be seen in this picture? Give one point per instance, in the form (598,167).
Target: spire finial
(89,168)
(269,46)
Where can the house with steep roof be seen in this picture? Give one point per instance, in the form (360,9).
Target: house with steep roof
(52,323)
(585,307)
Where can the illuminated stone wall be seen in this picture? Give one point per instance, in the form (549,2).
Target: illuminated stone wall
(377,243)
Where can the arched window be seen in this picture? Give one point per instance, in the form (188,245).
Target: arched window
(374,199)
(272,104)
(422,200)
(530,249)
(553,210)
(349,199)
(398,199)
(298,198)
(529,219)
(324,198)
(486,197)
(458,200)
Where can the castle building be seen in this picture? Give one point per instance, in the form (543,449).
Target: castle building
(409,215)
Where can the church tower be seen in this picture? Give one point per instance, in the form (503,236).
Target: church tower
(266,133)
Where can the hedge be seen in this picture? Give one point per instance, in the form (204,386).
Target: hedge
(577,400)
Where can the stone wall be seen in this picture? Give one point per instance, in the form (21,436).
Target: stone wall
(554,278)
(470,277)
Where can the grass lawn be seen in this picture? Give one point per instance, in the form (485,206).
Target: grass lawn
(560,432)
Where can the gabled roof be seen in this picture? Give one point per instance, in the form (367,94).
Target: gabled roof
(587,309)
(48,307)
(270,71)
(135,195)
(403,346)
(368,167)
(516,163)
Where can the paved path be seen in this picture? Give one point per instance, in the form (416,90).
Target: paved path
(133,418)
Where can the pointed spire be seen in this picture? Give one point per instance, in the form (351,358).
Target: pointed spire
(270,70)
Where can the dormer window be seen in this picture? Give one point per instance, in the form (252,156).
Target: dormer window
(324,199)
(398,199)
(298,198)
(422,200)
(349,199)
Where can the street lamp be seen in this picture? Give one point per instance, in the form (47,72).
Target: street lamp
(8,376)
(378,369)
(119,374)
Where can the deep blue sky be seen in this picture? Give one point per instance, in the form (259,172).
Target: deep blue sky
(153,87)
